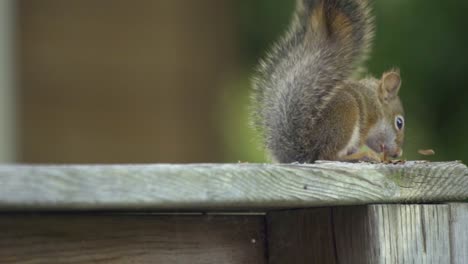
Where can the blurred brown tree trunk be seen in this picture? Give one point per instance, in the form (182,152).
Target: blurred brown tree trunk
(122,81)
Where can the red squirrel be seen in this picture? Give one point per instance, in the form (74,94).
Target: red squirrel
(307,103)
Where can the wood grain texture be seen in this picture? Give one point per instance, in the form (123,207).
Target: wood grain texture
(373,234)
(226,186)
(301,236)
(131,239)
(392,234)
(459,233)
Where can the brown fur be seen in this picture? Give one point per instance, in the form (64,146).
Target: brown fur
(341,115)
(342,25)
(317,20)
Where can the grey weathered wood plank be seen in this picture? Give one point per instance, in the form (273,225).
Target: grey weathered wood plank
(227,186)
(459,232)
(373,234)
(81,238)
(378,234)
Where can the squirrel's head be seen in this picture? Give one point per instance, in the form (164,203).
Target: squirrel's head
(388,134)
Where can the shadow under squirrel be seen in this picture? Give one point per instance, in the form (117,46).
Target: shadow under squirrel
(305,101)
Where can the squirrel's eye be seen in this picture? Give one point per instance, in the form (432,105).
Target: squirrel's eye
(399,122)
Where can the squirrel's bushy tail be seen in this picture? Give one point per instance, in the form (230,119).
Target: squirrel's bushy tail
(325,44)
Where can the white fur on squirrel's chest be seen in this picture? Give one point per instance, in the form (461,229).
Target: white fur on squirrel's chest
(353,143)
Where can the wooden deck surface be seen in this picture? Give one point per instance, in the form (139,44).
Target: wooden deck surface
(227,187)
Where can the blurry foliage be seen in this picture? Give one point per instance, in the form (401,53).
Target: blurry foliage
(427,40)
(261,22)
(243,143)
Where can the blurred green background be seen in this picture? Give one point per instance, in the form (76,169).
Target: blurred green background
(119,81)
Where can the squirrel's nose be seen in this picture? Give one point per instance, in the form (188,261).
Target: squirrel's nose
(394,153)
(398,153)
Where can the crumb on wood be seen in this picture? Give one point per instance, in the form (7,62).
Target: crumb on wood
(394,162)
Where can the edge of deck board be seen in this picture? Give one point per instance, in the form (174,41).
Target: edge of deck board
(227,187)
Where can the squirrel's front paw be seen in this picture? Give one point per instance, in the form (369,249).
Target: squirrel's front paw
(371,156)
(368,156)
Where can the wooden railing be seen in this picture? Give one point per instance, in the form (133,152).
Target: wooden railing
(328,212)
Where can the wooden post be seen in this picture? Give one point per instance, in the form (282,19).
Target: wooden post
(371,234)
(7,89)
(459,233)
(393,234)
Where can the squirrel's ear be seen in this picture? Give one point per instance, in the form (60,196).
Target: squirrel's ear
(389,85)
